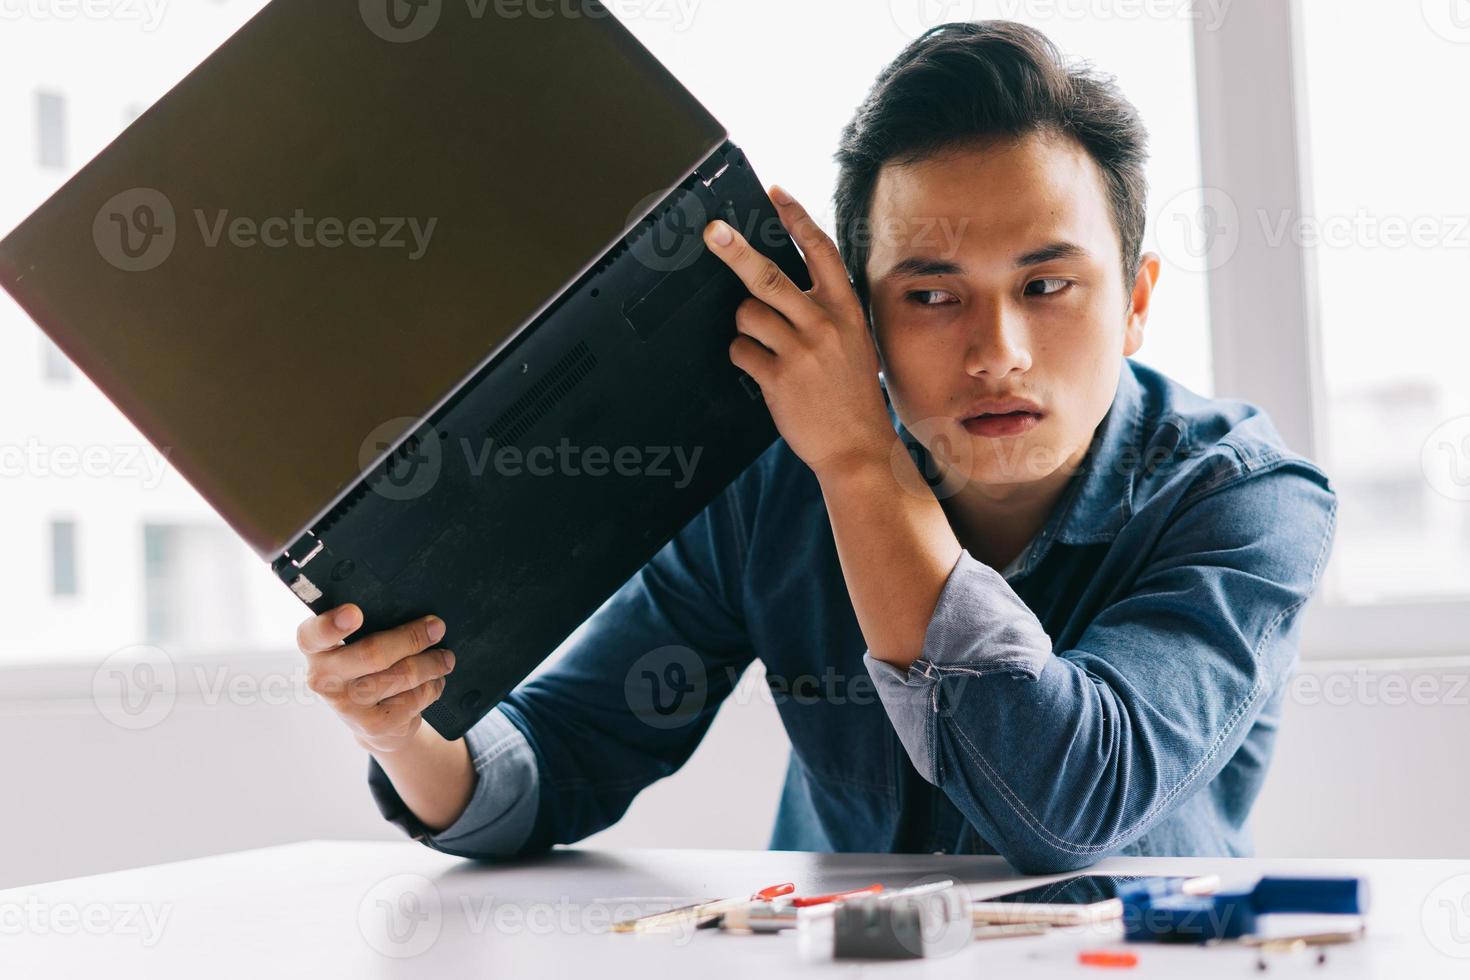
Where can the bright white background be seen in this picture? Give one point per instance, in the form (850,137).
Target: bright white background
(1366,150)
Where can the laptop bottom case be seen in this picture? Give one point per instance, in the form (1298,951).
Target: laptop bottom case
(557,472)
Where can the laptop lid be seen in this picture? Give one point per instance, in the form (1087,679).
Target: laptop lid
(335,220)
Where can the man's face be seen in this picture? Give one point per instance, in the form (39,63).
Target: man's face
(994,275)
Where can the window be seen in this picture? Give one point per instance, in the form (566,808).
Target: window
(63,558)
(191,578)
(50,131)
(1338,308)
(95,593)
(1388,223)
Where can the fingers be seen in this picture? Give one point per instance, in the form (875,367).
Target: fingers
(327,630)
(756,320)
(378,685)
(399,715)
(380,651)
(823,258)
(414,700)
(406,675)
(761,276)
(750,357)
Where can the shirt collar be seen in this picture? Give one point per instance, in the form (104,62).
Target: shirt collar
(1098,500)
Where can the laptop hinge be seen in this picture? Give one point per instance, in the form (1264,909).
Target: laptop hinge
(288,567)
(711,169)
(307,547)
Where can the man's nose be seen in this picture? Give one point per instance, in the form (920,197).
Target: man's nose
(997,341)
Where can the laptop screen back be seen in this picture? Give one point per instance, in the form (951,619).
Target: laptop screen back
(335,219)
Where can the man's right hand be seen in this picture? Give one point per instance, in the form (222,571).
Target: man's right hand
(379,684)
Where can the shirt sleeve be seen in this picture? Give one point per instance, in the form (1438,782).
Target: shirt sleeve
(1059,757)
(502,808)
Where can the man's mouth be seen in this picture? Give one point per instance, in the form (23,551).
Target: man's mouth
(997,425)
(997,418)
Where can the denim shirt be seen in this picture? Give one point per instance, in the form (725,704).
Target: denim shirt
(1116,691)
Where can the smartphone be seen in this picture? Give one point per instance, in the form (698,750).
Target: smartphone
(1076,901)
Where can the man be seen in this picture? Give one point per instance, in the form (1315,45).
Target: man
(1042,601)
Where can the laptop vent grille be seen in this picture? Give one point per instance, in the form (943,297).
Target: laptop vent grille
(642,228)
(532,406)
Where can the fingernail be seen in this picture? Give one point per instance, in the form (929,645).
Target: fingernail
(346,619)
(448,660)
(436,629)
(779,195)
(722,233)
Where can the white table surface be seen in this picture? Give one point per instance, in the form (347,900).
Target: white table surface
(364,910)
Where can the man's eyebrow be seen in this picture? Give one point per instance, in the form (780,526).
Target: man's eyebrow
(1050,253)
(915,267)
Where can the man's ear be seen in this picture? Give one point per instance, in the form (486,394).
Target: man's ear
(1149,267)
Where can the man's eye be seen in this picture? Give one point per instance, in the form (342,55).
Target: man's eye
(932,297)
(1049,286)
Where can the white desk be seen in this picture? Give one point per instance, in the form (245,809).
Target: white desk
(322,910)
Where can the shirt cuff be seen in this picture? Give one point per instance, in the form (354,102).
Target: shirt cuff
(979,627)
(501,813)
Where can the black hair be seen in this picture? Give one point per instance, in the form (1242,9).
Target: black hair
(968,81)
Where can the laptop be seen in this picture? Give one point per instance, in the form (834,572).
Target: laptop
(415,295)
